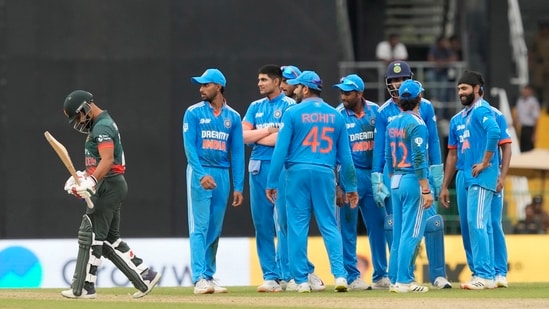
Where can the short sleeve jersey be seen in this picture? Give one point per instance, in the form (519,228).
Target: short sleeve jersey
(104,134)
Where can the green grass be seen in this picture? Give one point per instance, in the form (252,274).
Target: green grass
(531,295)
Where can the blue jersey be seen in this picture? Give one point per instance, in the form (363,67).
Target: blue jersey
(481,133)
(387,112)
(406,145)
(361,132)
(265,113)
(208,139)
(457,127)
(313,132)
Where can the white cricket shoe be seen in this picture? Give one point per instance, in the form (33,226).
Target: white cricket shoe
(359,285)
(501,281)
(341,285)
(442,283)
(269,286)
(303,287)
(203,286)
(292,286)
(316,283)
(381,284)
(283,284)
(217,287)
(86,294)
(478,283)
(409,287)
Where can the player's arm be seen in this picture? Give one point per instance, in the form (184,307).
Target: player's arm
(252,135)
(419,162)
(379,144)
(279,157)
(190,141)
(435,157)
(487,121)
(269,140)
(237,161)
(449,172)
(347,170)
(506,152)
(106,152)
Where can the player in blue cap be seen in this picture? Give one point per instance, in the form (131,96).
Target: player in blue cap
(213,141)
(397,73)
(311,140)
(406,155)
(360,117)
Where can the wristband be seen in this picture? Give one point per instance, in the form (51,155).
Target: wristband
(428,192)
(94,179)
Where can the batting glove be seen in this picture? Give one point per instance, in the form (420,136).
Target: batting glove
(437,174)
(86,187)
(71,182)
(379,189)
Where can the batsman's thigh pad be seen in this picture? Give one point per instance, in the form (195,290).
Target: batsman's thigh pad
(89,257)
(124,259)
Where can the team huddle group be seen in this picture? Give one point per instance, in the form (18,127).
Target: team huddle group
(308,157)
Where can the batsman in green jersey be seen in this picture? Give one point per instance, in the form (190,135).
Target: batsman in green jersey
(103,182)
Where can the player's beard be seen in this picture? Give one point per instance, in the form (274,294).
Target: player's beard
(468,99)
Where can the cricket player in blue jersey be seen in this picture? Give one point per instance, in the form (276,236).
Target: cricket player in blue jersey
(360,116)
(317,285)
(311,141)
(407,164)
(213,141)
(261,124)
(397,73)
(454,162)
(480,162)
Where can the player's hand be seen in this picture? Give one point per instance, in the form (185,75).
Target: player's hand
(237,198)
(499,184)
(352,198)
(379,190)
(272,130)
(341,199)
(272,194)
(444,197)
(86,188)
(479,167)
(207,182)
(71,182)
(428,200)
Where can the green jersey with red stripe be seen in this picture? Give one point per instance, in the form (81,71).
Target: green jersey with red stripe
(104,134)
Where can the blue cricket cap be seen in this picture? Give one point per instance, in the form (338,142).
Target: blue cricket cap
(351,82)
(309,79)
(210,76)
(410,89)
(290,71)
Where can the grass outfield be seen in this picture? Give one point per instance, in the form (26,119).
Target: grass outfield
(519,295)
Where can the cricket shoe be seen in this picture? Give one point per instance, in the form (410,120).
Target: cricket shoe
(203,286)
(359,285)
(317,285)
(151,278)
(269,286)
(303,288)
(283,284)
(501,281)
(217,288)
(442,283)
(87,293)
(381,284)
(292,286)
(409,288)
(478,283)
(341,285)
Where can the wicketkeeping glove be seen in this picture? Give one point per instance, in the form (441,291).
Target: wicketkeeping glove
(437,174)
(379,190)
(71,182)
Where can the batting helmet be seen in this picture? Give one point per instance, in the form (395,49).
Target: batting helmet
(78,102)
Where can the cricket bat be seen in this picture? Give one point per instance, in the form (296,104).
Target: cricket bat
(66,159)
